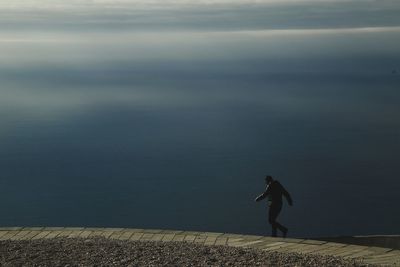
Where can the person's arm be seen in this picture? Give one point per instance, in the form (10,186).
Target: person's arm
(287,196)
(263,195)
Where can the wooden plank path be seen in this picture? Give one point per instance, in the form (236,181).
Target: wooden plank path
(367,254)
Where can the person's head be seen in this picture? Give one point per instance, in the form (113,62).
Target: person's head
(268,179)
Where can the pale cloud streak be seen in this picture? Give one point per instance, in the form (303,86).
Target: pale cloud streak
(205,15)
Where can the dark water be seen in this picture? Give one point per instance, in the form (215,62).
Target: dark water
(176,130)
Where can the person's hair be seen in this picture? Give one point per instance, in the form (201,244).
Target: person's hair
(268,177)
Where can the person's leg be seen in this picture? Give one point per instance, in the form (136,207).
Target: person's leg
(274,211)
(282,228)
(272,215)
(271,221)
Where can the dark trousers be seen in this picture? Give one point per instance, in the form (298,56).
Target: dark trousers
(273,213)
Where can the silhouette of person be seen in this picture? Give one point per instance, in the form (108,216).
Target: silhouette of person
(274,192)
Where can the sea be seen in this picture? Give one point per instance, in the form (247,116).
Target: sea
(176,129)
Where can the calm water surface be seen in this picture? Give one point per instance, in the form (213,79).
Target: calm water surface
(176,129)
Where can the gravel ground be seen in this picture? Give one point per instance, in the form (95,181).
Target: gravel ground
(104,252)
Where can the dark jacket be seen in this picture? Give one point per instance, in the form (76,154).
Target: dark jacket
(274,191)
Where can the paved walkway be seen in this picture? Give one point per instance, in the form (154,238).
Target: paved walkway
(373,255)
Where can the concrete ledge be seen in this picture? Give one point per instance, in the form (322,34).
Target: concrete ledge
(367,254)
(386,241)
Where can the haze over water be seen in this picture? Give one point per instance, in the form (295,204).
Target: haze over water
(169,114)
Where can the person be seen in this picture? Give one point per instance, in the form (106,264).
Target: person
(274,192)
